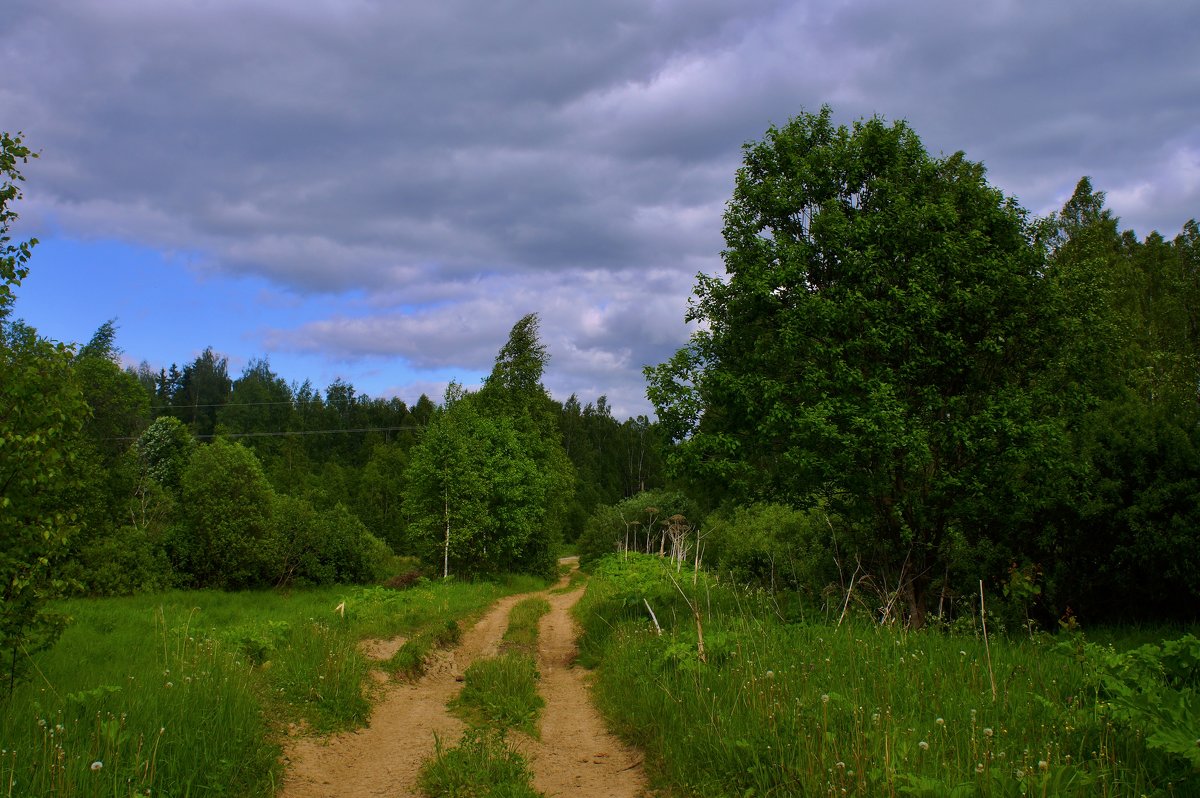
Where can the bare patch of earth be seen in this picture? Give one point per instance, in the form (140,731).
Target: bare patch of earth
(576,755)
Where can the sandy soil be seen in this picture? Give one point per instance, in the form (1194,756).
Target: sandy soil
(575,756)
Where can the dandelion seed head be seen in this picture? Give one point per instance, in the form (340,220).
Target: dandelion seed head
(825,698)
(987,732)
(1043,765)
(97,765)
(924,746)
(979,768)
(940,721)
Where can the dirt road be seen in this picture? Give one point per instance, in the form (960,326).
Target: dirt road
(575,756)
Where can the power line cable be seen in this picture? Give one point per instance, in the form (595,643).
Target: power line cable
(285,433)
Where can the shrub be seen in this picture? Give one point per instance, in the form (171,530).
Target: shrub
(225,537)
(326,547)
(774,546)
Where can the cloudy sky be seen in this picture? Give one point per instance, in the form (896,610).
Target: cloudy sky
(379,190)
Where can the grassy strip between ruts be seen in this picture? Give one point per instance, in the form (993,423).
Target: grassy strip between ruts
(185,693)
(773,707)
(499,694)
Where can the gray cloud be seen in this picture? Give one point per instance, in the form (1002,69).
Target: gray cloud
(438,169)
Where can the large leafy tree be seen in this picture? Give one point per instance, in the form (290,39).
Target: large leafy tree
(514,391)
(489,483)
(224,538)
(42,412)
(879,339)
(448,488)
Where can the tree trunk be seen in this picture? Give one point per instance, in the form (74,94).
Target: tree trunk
(446,546)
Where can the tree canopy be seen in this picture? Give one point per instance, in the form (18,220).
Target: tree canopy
(878,341)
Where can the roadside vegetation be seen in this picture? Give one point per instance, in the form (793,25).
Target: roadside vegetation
(752,701)
(190,692)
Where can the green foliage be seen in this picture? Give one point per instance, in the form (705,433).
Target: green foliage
(483,764)
(41,416)
(1123,536)
(880,343)
(224,539)
(779,707)
(201,389)
(130,559)
(613,460)
(325,547)
(381,491)
(774,546)
(165,449)
(635,524)
(1152,692)
(14,258)
(118,403)
(514,391)
(449,489)
(489,483)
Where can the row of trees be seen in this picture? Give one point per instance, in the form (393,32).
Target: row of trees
(966,392)
(119,480)
(496,460)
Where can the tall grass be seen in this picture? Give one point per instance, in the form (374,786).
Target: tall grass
(778,708)
(180,718)
(185,693)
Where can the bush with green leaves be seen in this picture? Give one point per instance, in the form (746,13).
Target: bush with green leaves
(225,536)
(774,546)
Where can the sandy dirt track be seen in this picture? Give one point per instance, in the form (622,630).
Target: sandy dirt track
(575,756)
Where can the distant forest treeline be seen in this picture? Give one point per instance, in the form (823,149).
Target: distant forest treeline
(334,451)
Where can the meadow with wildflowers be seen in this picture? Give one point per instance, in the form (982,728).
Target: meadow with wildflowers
(188,693)
(753,701)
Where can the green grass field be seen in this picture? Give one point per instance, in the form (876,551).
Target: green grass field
(775,707)
(187,693)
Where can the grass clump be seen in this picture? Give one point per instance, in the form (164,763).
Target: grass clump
(413,657)
(502,691)
(769,706)
(483,764)
(522,632)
